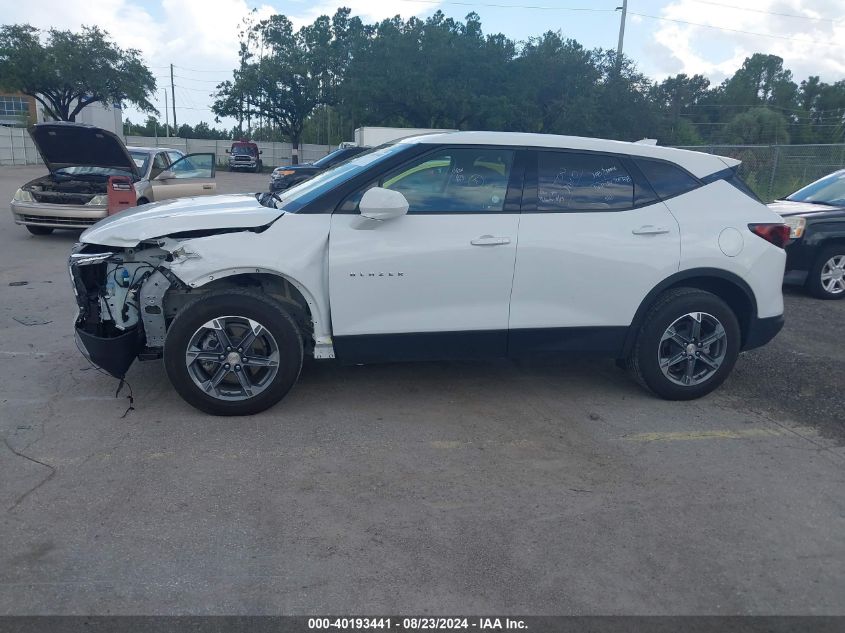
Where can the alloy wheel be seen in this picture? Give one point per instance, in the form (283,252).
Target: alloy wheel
(692,349)
(833,275)
(232,358)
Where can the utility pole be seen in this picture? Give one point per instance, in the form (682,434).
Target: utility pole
(173,99)
(166,115)
(624,8)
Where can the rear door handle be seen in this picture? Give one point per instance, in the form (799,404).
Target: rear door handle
(650,229)
(489,240)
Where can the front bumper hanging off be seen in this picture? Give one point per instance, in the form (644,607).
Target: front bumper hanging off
(106,346)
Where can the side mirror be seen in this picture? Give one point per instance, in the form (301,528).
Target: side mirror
(383,204)
(165,175)
(261,151)
(227,151)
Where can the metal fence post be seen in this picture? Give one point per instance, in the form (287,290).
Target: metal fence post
(774,170)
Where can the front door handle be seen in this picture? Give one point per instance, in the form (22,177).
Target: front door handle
(650,229)
(489,240)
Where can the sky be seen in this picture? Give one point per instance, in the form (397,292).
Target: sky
(664,37)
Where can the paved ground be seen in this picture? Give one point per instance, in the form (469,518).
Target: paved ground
(532,488)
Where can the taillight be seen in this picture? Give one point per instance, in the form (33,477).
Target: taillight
(777,234)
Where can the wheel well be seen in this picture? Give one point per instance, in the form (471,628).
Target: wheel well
(277,287)
(739,299)
(736,298)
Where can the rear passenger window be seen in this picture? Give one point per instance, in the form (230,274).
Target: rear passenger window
(582,182)
(666,179)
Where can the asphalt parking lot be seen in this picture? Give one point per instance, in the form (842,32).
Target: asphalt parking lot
(554,487)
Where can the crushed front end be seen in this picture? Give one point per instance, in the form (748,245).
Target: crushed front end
(119,294)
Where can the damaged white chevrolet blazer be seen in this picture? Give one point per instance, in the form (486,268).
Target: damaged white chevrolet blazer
(444,246)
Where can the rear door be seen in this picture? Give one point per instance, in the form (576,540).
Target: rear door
(191,175)
(593,241)
(436,282)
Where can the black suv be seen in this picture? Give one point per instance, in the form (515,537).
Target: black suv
(290,175)
(815,257)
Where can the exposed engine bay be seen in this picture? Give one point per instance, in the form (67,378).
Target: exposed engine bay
(128,296)
(108,286)
(60,188)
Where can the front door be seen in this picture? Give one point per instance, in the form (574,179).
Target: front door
(436,282)
(191,175)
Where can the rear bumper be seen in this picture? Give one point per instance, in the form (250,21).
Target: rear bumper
(799,259)
(761,331)
(59,216)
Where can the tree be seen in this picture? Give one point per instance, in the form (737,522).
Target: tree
(679,97)
(290,78)
(757,126)
(70,71)
(555,84)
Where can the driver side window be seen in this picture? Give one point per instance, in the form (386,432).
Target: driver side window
(454,180)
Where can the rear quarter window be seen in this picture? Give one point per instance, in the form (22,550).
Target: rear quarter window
(666,179)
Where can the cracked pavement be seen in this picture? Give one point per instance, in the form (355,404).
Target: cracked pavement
(543,487)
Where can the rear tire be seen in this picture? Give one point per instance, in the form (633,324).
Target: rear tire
(231,373)
(688,344)
(141,201)
(825,279)
(39,230)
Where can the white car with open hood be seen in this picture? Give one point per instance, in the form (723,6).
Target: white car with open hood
(81,158)
(444,246)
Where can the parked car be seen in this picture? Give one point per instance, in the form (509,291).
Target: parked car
(245,155)
(80,159)
(289,175)
(815,256)
(447,246)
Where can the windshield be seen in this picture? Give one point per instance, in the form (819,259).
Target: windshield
(329,159)
(827,190)
(243,149)
(140,159)
(293,199)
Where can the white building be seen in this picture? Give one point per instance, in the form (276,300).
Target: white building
(108,117)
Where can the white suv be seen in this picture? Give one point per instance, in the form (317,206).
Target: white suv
(444,246)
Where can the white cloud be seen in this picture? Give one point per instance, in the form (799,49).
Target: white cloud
(809,47)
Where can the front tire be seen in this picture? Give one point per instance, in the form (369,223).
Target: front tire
(233,352)
(688,344)
(826,279)
(39,230)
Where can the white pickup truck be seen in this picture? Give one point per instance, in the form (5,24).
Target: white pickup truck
(443,246)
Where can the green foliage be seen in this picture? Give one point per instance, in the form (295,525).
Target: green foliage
(154,127)
(758,126)
(68,71)
(320,82)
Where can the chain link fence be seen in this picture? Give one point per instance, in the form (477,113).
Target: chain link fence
(17,148)
(775,171)
(772,171)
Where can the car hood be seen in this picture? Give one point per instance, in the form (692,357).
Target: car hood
(295,167)
(128,228)
(786,208)
(63,144)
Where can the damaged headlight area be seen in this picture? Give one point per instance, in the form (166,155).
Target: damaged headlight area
(119,294)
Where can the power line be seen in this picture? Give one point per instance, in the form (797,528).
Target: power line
(722,28)
(205,81)
(783,15)
(512,6)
